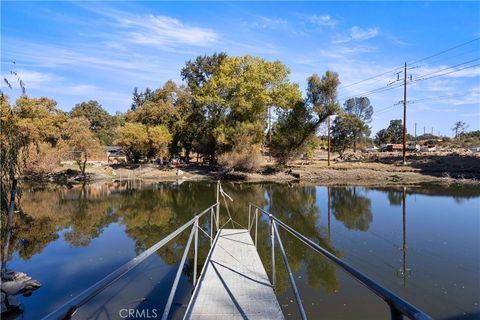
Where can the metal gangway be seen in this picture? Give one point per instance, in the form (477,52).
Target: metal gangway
(233,283)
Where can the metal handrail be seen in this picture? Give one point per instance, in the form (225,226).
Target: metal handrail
(67,310)
(289,272)
(398,306)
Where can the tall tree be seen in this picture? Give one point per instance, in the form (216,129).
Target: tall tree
(298,125)
(382,137)
(236,97)
(345,130)
(24,125)
(360,107)
(362,111)
(101,122)
(393,134)
(170,106)
(133,139)
(459,127)
(139,140)
(79,142)
(202,118)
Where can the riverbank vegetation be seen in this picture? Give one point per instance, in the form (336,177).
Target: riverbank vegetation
(220,113)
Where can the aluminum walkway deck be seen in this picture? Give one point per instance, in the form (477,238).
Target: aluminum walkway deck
(233,283)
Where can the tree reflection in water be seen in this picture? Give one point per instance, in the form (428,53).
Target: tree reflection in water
(147,213)
(352,208)
(299,210)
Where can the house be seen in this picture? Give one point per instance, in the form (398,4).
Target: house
(391,147)
(115,155)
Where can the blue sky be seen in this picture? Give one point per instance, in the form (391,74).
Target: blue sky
(79,51)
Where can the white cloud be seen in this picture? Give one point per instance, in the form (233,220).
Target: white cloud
(32,79)
(360,34)
(268,23)
(357,34)
(163,30)
(323,20)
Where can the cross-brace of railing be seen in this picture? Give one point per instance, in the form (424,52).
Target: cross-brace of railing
(398,306)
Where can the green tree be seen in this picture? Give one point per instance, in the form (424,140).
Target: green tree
(101,122)
(170,106)
(202,118)
(159,139)
(139,140)
(393,134)
(459,128)
(352,208)
(79,142)
(139,98)
(292,127)
(133,139)
(24,126)
(362,111)
(239,93)
(345,131)
(382,137)
(297,126)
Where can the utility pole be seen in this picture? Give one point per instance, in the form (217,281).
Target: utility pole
(405,114)
(423,130)
(415,132)
(432,131)
(328,145)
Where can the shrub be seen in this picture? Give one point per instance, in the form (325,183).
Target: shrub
(247,159)
(41,160)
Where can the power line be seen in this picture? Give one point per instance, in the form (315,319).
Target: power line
(393,106)
(457,65)
(425,76)
(372,77)
(416,61)
(441,97)
(441,59)
(446,50)
(443,74)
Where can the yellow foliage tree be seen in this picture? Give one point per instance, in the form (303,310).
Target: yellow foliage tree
(79,142)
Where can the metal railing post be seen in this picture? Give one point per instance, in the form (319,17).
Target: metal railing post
(290,274)
(218,205)
(211,226)
(256,226)
(166,311)
(195,254)
(272,244)
(249,213)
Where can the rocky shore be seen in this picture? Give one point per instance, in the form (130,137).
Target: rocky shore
(13,284)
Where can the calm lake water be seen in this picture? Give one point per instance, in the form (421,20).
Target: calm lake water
(421,242)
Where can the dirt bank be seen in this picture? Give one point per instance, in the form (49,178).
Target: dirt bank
(358,169)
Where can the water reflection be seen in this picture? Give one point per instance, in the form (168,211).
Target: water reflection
(351,207)
(299,210)
(80,214)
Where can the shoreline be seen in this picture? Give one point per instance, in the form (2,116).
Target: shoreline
(339,174)
(364,169)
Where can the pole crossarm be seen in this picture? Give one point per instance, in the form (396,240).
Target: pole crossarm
(70,308)
(398,306)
